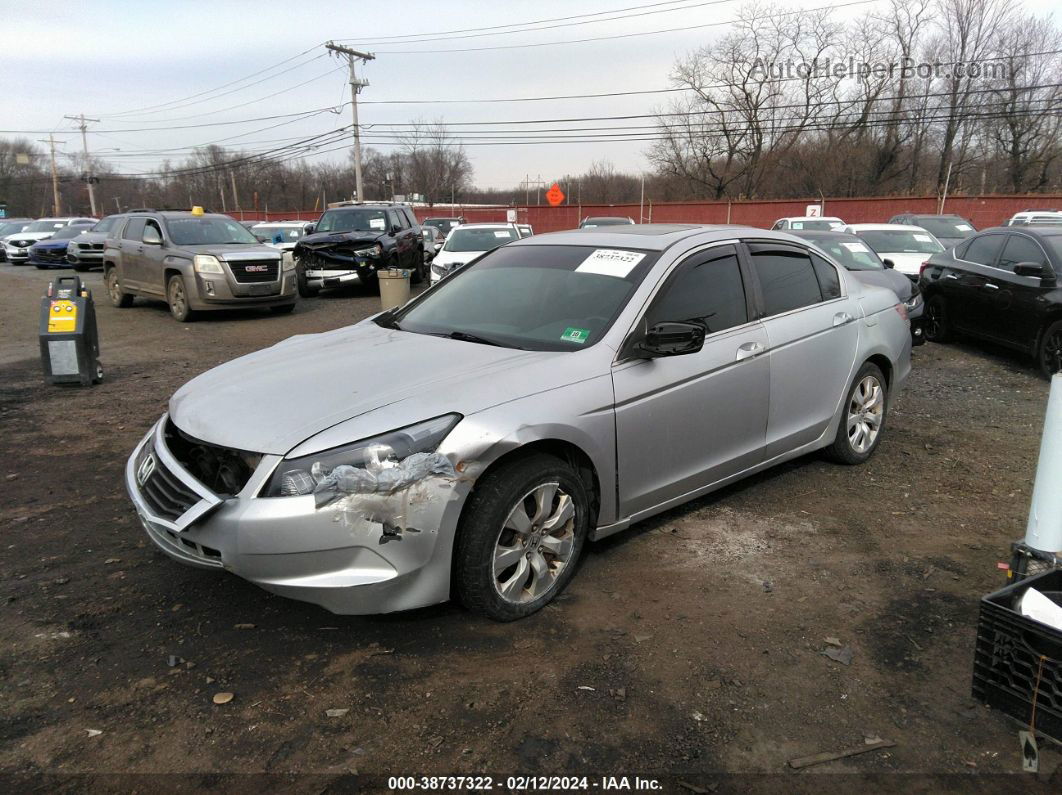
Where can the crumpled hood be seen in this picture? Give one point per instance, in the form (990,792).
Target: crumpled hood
(271,400)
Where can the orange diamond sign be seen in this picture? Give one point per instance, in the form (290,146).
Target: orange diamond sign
(554,195)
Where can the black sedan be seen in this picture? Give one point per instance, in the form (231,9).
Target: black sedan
(856,256)
(1000,285)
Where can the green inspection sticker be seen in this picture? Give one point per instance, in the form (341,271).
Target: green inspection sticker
(579,335)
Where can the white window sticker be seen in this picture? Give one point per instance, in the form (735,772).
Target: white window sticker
(964,227)
(376,223)
(923,238)
(798,224)
(858,247)
(502,234)
(610,262)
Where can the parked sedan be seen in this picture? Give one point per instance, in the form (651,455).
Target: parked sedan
(820,223)
(905,247)
(950,230)
(558,390)
(1000,285)
(86,250)
(858,258)
(466,243)
(11,226)
(594,221)
(51,252)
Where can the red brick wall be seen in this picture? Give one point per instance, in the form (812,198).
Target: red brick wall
(983,211)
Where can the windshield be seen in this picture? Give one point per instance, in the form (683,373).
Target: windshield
(479,239)
(13,227)
(207,232)
(445,224)
(852,253)
(540,298)
(107,224)
(277,234)
(590,223)
(44,226)
(817,224)
(1054,244)
(67,232)
(945,227)
(364,220)
(900,241)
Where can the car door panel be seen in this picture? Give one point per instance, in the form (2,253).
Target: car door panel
(812,346)
(1016,302)
(130,248)
(970,301)
(686,422)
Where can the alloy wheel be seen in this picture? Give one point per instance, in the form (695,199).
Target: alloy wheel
(112,287)
(535,544)
(865,413)
(177,299)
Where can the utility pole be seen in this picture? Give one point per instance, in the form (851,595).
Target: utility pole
(356,86)
(83,126)
(235,198)
(55,175)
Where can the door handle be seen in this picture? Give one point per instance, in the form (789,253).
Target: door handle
(841,318)
(748,350)
(990,286)
(950,276)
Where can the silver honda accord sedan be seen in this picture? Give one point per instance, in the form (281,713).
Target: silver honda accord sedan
(555,391)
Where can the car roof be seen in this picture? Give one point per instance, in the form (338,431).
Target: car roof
(280,223)
(825,234)
(1046,230)
(652,237)
(177,214)
(810,218)
(885,228)
(487,225)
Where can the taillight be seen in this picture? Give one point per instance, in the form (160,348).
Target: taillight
(901,310)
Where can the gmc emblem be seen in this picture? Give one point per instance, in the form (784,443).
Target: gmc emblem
(256,268)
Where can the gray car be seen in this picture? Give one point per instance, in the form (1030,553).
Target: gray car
(86,251)
(196,262)
(864,263)
(557,390)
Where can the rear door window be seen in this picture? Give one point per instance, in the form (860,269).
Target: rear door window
(134,230)
(829,279)
(983,250)
(787,278)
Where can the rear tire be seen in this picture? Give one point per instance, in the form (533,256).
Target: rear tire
(1050,351)
(862,418)
(120,299)
(420,269)
(936,326)
(177,298)
(548,499)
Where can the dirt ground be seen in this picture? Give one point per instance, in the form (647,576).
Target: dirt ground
(689,647)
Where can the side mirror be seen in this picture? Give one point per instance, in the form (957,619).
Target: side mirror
(671,338)
(1035,270)
(151,237)
(308,229)
(888,263)
(395,229)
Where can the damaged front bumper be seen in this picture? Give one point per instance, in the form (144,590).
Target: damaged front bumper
(361,554)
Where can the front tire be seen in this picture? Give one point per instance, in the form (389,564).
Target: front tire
(863,418)
(936,325)
(120,299)
(177,298)
(1050,351)
(520,537)
(306,290)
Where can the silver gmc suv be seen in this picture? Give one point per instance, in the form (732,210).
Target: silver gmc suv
(195,261)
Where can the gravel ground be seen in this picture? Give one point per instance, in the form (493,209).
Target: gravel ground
(689,647)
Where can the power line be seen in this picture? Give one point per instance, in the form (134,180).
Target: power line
(621,35)
(415,40)
(333,109)
(225,85)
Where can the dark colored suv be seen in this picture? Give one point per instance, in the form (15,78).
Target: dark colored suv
(349,244)
(1000,285)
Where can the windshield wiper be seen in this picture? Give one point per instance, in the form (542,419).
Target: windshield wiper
(387,320)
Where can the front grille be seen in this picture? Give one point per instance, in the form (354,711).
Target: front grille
(23,243)
(221,469)
(164,493)
(251,271)
(50,254)
(90,246)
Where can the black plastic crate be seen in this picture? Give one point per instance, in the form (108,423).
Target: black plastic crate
(1012,651)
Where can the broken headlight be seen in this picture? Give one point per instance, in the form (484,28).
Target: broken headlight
(372,251)
(296,476)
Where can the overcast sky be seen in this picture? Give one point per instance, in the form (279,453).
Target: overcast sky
(106,59)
